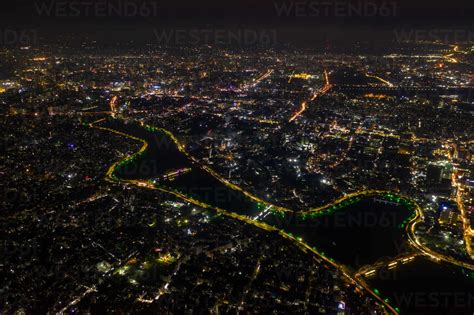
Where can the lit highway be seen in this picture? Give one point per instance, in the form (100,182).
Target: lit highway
(257,80)
(380,79)
(327,86)
(468,233)
(368,271)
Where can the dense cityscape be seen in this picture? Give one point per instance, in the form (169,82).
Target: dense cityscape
(229,171)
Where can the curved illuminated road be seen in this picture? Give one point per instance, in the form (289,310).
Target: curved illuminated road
(354,279)
(327,86)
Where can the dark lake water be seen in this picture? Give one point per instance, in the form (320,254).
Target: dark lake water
(162,155)
(358,234)
(426,287)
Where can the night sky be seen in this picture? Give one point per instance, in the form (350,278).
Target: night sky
(296,26)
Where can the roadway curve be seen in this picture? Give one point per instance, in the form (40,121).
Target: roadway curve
(353,279)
